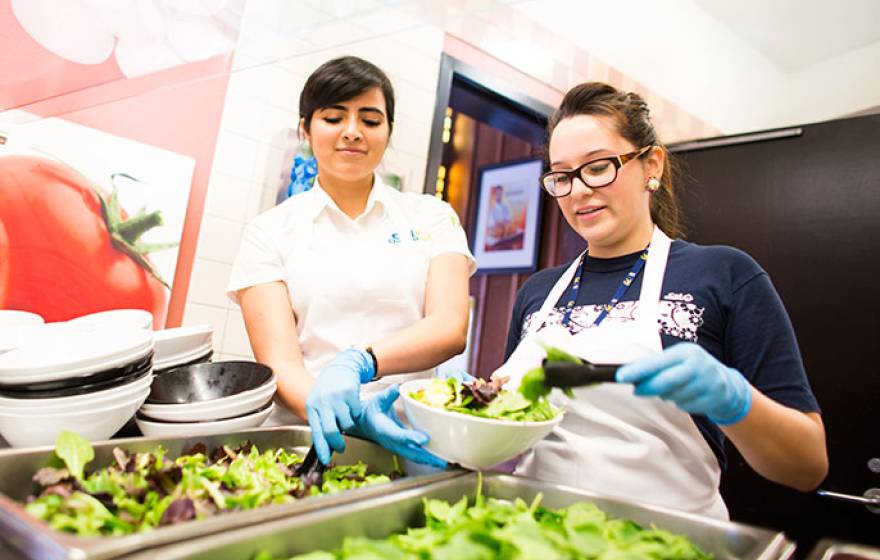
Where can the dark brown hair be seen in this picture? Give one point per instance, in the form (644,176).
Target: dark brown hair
(631,115)
(342,79)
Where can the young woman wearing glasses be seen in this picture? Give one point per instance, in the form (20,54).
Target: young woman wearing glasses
(709,347)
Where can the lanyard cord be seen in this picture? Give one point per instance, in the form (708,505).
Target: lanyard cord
(615,299)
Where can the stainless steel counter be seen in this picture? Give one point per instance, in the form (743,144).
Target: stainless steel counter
(34,539)
(393,513)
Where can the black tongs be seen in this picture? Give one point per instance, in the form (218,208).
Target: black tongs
(568,374)
(311,466)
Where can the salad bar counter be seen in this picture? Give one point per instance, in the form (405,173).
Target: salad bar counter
(127,495)
(440,513)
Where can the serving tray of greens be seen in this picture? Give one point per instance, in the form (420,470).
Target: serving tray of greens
(487,516)
(81,500)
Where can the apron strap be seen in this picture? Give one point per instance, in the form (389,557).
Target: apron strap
(652,281)
(556,293)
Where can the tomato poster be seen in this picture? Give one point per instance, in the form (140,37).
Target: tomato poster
(89,221)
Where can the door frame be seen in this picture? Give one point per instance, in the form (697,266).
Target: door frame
(451,69)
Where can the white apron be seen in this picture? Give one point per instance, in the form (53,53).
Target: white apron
(368,290)
(610,441)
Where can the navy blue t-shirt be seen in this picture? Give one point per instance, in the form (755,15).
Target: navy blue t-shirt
(715,296)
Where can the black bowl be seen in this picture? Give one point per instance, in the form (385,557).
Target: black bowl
(90,383)
(207,381)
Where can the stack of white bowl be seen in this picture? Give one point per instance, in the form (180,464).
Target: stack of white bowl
(198,399)
(81,376)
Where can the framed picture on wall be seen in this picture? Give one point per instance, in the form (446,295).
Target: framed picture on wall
(505,237)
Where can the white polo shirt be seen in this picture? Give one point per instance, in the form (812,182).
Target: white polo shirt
(350,281)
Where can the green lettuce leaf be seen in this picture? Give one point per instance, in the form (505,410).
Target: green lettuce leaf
(76,452)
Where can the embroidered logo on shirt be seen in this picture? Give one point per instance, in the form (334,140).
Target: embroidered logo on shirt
(419,235)
(679,317)
(415,235)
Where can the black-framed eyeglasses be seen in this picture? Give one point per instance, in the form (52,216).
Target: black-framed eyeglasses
(595,174)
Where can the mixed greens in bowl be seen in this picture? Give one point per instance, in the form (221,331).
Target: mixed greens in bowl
(476,425)
(484,399)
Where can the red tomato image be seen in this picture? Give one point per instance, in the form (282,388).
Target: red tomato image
(67,249)
(4,271)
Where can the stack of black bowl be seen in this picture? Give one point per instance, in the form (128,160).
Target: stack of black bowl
(208,398)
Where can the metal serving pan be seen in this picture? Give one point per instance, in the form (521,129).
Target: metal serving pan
(393,513)
(828,549)
(34,539)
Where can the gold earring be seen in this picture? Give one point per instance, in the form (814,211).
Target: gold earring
(653,184)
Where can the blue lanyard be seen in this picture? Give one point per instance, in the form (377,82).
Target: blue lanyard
(624,286)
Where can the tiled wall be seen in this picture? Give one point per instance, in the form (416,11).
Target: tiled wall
(282,42)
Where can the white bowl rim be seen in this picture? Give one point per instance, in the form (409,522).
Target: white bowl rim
(260,398)
(30,318)
(130,316)
(211,423)
(183,358)
(120,405)
(174,332)
(404,392)
(80,399)
(136,345)
(212,403)
(79,372)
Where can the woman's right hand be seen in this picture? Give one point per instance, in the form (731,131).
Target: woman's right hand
(334,401)
(687,375)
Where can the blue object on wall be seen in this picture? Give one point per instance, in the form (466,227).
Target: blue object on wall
(303,173)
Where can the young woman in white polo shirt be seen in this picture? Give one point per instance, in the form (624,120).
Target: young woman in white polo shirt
(352,280)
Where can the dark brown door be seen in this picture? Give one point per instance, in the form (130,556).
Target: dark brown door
(808,209)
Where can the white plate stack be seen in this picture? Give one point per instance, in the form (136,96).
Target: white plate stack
(82,377)
(208,398)
(182,346)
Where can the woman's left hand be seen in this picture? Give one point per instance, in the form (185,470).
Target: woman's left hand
(694,380)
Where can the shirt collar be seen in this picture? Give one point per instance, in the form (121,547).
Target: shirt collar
(321,201)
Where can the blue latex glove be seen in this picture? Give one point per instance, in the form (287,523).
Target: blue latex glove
(334,401)
(694,380)
(380,423)
(462,376)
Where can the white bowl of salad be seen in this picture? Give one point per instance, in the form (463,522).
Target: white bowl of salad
(477,425)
